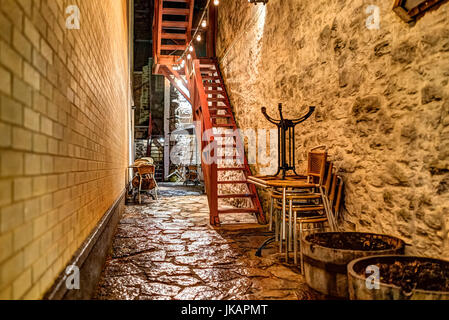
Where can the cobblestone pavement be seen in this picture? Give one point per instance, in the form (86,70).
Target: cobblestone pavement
(165,249)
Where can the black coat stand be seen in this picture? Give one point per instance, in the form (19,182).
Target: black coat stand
(286,139)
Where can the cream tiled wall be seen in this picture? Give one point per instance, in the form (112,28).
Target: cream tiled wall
(64,105)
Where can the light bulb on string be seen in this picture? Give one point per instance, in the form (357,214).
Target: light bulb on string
(189,56)
(216,2)
(204,24)
(191,48)
(198,38)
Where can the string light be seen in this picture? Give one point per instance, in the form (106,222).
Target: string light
(196,36)
(257,1)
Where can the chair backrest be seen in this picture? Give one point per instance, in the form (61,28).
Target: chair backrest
(192,168)
(336,192)
(333,189)
(328,178)
(138,162)
(145,169)
(316,166)
(148,160)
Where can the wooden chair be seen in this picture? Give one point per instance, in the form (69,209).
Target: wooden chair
(316,165)
(148,160)
(147,182)
(141,161)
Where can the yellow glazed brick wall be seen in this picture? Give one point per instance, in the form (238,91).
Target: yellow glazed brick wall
(63,133)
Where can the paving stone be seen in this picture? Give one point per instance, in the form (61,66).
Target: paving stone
(159,289)
(184,281)
(170,268)
(253,272)
(166,249)
(158,298)
(212,275)
(118,267)
(123,247)
(282,272)
(200,293)
(234,288)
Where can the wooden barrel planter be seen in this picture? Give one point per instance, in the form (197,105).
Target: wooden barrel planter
(326,256)
(401,278)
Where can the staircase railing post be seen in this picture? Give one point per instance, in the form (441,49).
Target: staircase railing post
(214,219)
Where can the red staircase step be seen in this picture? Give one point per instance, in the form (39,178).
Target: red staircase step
(233,182)
(215,116)
(207,62)
(210,78)
(176,11)
(218,108)
(175,24)
(216,99)
(237,210)
(215,92)
(232,169)
(174,47)
(177,36)
(224,135)
(213,84)
(223,125)
(236,195)
(185,1)
(229,157)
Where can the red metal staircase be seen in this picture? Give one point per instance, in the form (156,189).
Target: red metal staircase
(224,164)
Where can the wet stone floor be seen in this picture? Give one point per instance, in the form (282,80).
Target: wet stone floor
(165,249)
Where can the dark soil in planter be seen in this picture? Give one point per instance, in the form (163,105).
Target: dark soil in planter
(353,241)
(415,274)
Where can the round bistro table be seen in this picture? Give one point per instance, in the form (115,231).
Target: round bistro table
(276,182)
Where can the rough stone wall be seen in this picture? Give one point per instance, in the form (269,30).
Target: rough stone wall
(64,105)
(382,99)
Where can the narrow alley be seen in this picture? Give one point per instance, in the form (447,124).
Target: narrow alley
(190,150)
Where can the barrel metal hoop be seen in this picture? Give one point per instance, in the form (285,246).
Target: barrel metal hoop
(328,266)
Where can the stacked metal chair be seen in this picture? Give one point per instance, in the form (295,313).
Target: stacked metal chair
(311,205)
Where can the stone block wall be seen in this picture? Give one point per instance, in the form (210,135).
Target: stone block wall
(64,105)
(382,98)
